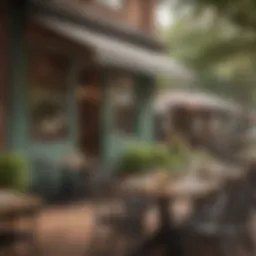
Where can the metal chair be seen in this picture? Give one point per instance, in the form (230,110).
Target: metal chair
(224,224)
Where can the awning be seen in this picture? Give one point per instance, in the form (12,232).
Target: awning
(194,100)
(113,52)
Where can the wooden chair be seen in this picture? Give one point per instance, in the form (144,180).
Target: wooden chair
(9,238)
(18,221)
(11,234)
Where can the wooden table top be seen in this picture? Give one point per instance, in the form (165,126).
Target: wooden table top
(183,190)
(12,202)
(166,185)
(187,183)
(192,187)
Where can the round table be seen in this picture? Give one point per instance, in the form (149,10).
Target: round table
(165,189)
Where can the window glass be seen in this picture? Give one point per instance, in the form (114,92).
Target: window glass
(115,4)
(48,95)
(124,103)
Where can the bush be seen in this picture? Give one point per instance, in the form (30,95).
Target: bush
(145,157)
(135,159)
(159,156)
(13,172)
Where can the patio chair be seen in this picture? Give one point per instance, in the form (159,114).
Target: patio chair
(252,177)
(224,224)
(9,238)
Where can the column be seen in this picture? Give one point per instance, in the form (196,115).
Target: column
(145,94)
(17,137)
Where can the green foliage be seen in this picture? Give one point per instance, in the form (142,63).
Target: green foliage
(159,155)
(145,157)
(207,39)
(136,158)
(239,12)
(221,53)
(13,171)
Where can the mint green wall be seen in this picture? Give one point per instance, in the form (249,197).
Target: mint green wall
(145,94)
(17,125)
(106,124)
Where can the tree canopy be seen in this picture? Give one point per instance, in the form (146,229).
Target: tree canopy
(222,53)
(240,12)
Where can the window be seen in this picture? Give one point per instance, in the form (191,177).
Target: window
(124,104)
(114,4)
(48,95)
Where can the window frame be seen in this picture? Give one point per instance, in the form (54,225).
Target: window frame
(32,47)
(111,84)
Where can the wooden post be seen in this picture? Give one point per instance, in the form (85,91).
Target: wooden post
(145,124)
(17,13)
(3,74)
(106,123)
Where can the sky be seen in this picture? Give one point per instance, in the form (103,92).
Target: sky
(165,17)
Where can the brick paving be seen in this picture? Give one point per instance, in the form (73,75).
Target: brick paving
(75,230)
(66,230)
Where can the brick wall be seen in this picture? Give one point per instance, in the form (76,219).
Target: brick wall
(149,19)
(138,14)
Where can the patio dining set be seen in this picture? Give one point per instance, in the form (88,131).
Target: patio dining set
(214,220)
(217,217)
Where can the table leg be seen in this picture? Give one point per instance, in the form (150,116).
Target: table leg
(165,218)
(166,239)
(24,238)
(34,243)
(10,246)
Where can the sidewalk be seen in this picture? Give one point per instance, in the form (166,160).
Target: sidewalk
(66,230)
(74,230)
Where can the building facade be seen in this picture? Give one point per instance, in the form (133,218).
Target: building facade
(78,76)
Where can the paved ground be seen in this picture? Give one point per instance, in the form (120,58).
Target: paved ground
(79,230)
(66,230)
(75,230)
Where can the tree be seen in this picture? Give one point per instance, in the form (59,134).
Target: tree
(240,12)
(221,53)
(208,39)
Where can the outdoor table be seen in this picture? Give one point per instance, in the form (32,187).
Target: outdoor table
(166,189)
(15,208)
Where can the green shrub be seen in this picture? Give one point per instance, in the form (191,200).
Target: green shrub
(13,171)
(159,156)
(145,157)
(135,159)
